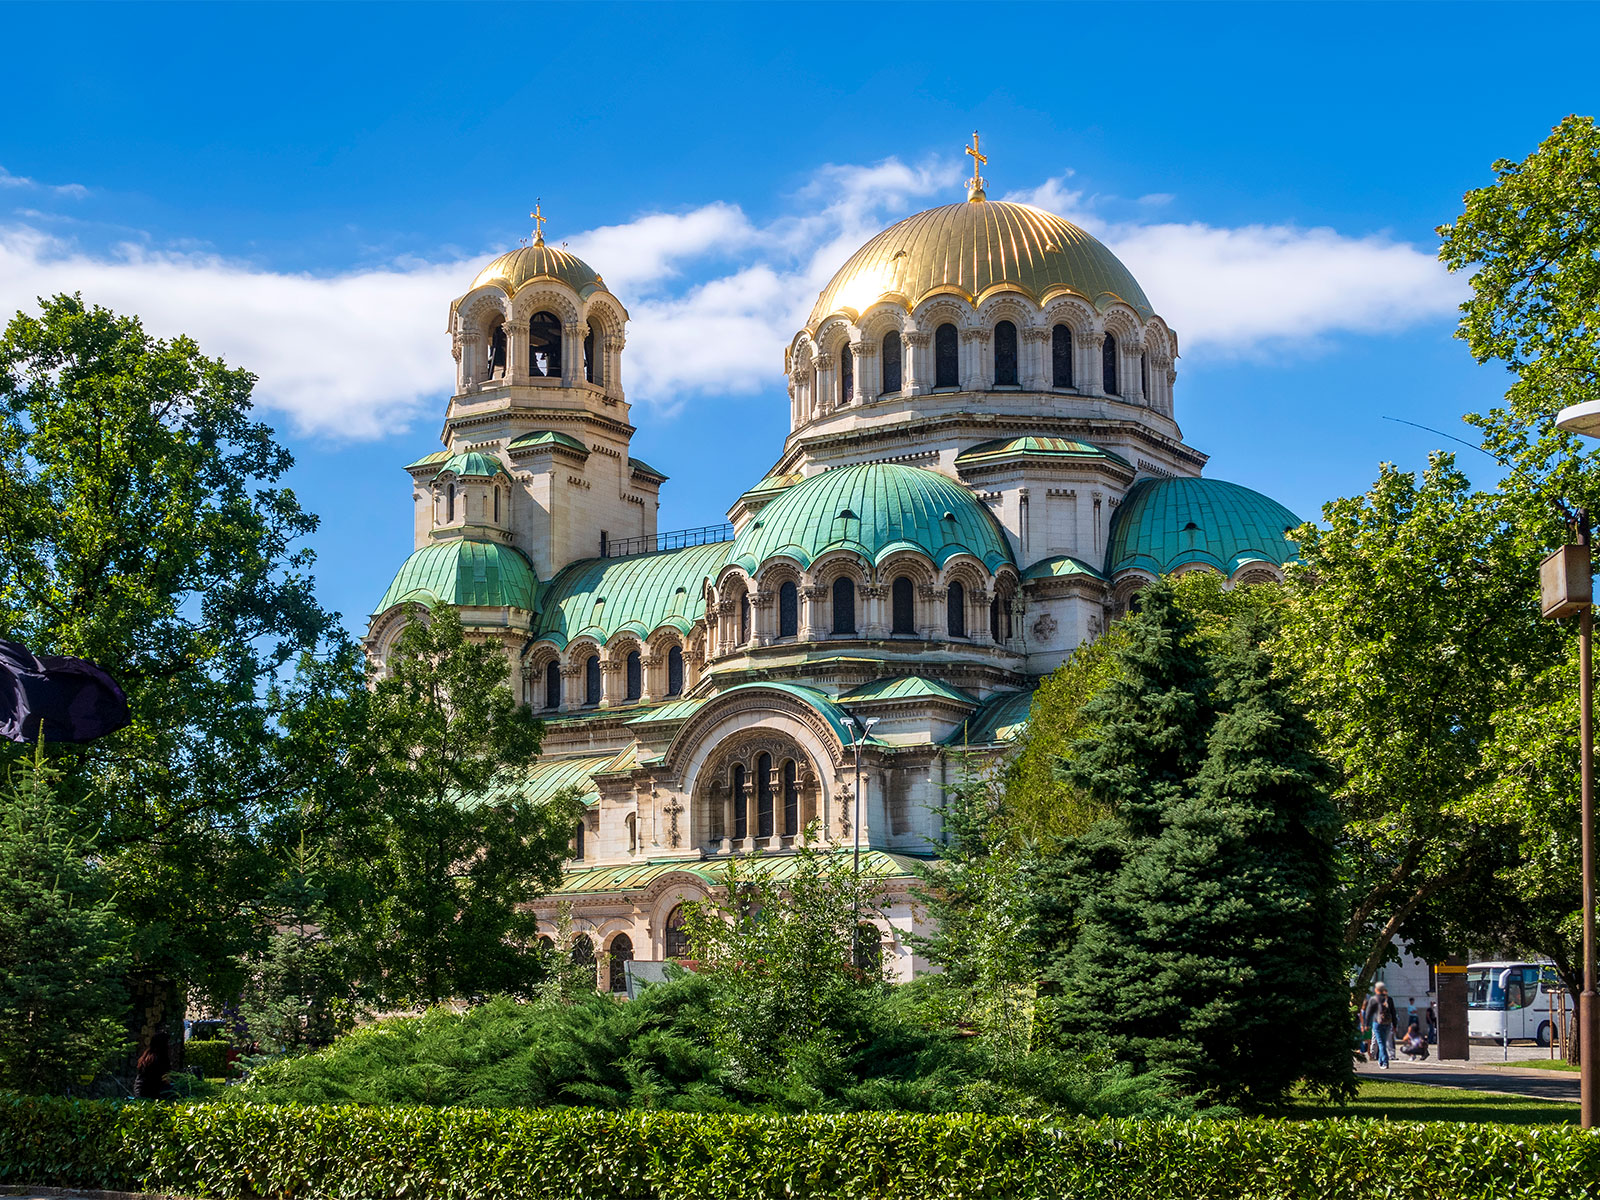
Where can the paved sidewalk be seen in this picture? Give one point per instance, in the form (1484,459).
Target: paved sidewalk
(1479,1076)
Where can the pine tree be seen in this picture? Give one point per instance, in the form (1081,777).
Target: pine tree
(60,972)
(1198,933)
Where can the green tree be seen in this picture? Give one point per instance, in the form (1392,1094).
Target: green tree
(1197,924)
(144,526)
(452,850)
(61,994)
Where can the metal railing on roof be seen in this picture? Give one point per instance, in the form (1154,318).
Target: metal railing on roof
(677,539)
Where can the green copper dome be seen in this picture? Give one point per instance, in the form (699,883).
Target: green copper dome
(473,462)
(1164,524)
(873,509)
(597,597)
(465,573)
(1005,449)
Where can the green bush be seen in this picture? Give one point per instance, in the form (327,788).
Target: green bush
(210,1056)
(347,1153)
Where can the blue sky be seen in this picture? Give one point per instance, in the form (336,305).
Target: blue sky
(305,187)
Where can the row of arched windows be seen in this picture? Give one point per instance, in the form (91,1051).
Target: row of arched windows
(758,797)
(1006,361)
(633,678)
(902,606)
(544,349)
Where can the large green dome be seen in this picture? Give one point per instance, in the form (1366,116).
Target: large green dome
(873,509)
(1164,524)
(466,573)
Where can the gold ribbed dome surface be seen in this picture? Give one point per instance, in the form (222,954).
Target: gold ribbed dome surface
(972,247)
(516,267)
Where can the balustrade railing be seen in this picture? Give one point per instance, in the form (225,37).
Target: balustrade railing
(677,539)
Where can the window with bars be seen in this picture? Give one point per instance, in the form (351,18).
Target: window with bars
(620,955)
(764,795)
(675,938)
(946,358)
(1005,354)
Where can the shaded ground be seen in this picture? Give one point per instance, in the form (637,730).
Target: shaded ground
(1514,1080)
(1390,1099)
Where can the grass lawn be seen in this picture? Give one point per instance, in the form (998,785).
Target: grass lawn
(1386,1101)
(1543,1064)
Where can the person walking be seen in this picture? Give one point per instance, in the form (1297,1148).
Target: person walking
(1377,1015)
(150,1072)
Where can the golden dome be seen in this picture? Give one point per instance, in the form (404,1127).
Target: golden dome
(972,247)
(538,261)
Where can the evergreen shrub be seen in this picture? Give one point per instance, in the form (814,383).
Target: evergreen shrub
(210,1056)
(349,1153)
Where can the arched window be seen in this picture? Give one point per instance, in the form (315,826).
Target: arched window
(582,949)
(591,680)
(1061,357)
(946,358)
(450,502)
(788,610)
(1108,365)
(764,795)
(891,362)
(544,345)
(552,684)
(744,618)
(497,504)
(497,352)
(591,363)
(675,671)
(675,939)
(546,943)
(635,676)
(1144,375)
(577,841)
(994,619)
(1005,354)
(791,798)
(847,376)
(621,954)
(956,610)
(844,606)
(741,815)
(905,617)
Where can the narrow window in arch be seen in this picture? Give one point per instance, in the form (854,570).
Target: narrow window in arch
(1144,376)
(788,610)
(497,504)
(450,502)
(956,610)
(744,618)
(946,358)
(847,376)
(869,948)
(591,364)
(1061,357)
(901,595)
(552,684)
(1006,632)
(591,680)
(621,954)
(544,345)
(791,798)
(675,671)
(764,795)
(582,949)
(635,675)
(497,352)
(994,619)
(891,362)
(844,606)
(1005,354)
(1108,365)
(577,841)
(675,938)
(741,814)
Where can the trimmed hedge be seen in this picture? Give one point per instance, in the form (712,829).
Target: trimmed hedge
(347,1153)
(210,1056)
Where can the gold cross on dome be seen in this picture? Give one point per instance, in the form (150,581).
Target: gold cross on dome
(977,160)
(538,223)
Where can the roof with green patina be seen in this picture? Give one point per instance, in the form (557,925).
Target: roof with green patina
(1061,566)
(547,437)
(546,778)
(475,463)
(1163,524)
(597,597)
(908,687)
(640,467)
(428,460)
(777,483)
(873,509)
(1036,447)
(633,877)
(824,705)
(1002,718)
(463,572)
(672,710)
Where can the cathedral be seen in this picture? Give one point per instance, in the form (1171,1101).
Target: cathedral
(983,467)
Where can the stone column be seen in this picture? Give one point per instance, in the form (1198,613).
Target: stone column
(827,396)
(868,377)
(978,602)
(571,686)
(571,353)
(647,678)
(869,621)
(811,598)
(1035,373)
(1087,373)
(614,343)
(1132,376)
(763,629)
(612,684)
(516,352)
(916,369)
(933,626)
(975,374)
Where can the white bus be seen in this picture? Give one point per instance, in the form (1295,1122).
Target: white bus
(1511,1001)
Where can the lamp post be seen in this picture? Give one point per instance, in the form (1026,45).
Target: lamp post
(1567,585)
(859,728)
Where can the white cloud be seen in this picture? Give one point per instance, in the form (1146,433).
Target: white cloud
(714,295)
(75,190)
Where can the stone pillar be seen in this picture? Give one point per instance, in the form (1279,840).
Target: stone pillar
(869,621)
(933,626)
(648,664)
(1132,376)
(869,380)
(978,602)
(763,628)
(1035,373)
(1024,537)
(613,686)
(571,686)
(811,605)
(1087,371)
(572,353)
(614,343)
(916,366)
(516,352)
(975,374)
(827,397)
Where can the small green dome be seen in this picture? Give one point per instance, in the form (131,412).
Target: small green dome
(1164,524)
(473,462)
(1036,447)
(465,573)
(872,509)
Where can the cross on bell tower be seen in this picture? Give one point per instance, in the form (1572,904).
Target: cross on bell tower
(976,184)
(538,223)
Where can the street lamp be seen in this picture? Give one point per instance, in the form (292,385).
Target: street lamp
(859,727)
(1567,586)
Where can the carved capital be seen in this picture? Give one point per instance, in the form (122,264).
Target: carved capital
(615,341)
(919,340)
(1035,335)
(974,335)
(824,362)
(872,591)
